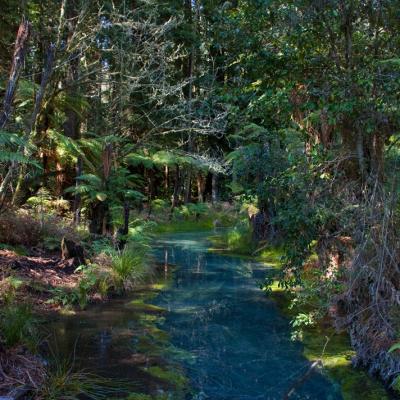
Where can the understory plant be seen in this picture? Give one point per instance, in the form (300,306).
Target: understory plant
(130,265)
(18,326)
(64,382)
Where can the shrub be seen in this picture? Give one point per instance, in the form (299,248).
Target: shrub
(29,230)
(191,210)
(25,231)
(45,202)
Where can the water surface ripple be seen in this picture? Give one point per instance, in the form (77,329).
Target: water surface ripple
(240,341)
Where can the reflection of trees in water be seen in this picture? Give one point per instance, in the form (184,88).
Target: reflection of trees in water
(240,345)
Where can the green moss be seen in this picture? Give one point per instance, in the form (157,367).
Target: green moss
(336,359)
(335,352)
(271,256)
(139,396)
(184,226)
(173,377)
(139,304)
(142,396)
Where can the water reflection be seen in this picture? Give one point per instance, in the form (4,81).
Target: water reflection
(240,341)
(217,328)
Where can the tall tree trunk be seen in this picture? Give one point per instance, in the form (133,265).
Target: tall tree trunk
(166,180)
(189,95)
(214,188)
(77,199)
(124,230)
(201,185)
(177,190)
(99,216)
(188,187)
(72,123)
(19,195)
(21,45)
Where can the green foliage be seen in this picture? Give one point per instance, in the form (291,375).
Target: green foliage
(394,347)
(94,279)
(191,210)
(102,245)
(239,240)
(45,202)
(131,265)
(18,249)
(9,288)
(174,377)
(396,384)
(18,326)
(64,382)
(10,145)
(299,322)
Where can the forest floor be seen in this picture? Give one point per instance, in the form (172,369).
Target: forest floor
(28,285)
(37,277)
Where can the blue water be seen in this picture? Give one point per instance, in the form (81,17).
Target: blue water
(240,342)
(227,337)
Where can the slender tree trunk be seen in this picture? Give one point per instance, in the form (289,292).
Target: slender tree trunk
(47,71)
(123,231)
(189,95)
(72,124)
(77,199)
(201,184)
(166,178)
(150,191)
(21,45)
(177,189)
(188,187)
(214,188)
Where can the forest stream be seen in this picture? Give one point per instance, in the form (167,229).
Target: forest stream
(210,333)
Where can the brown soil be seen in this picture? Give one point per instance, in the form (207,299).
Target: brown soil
(40,274)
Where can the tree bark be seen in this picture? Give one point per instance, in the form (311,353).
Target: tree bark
(177,190)
(214,188)
(201,185)
(21,45)
(47,71)
(77,199)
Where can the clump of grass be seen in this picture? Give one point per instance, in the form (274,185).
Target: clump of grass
(63,382)
(130,266)
(18,326)
(9,287)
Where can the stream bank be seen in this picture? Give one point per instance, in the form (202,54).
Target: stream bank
(206,332)
(321,342)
